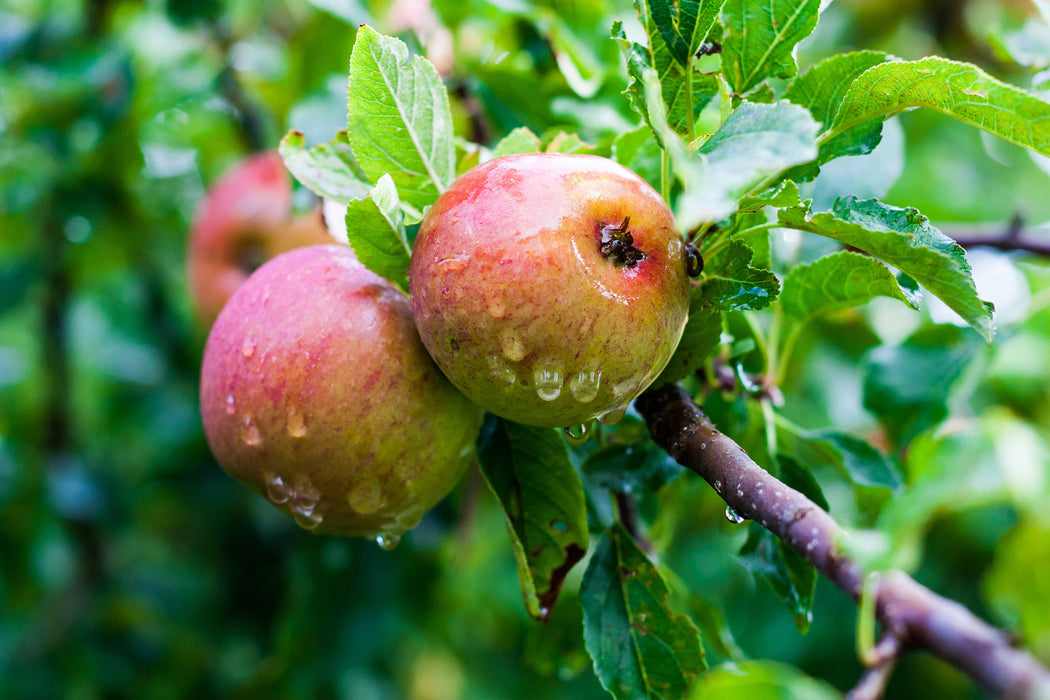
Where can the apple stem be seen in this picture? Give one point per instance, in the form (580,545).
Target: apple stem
(618,243)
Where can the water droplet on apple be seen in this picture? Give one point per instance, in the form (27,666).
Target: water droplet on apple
(734,517)
(613,415)
(296,422)
(548,383)
(277,490)
(305,493)
(584,386)
(231,407)
(365,498)
(621,389)
(578,434)
(502,371)
(248,347)
(512,345)
(388,540)
(497,306)
(266,295)
(307,518)
(250,434)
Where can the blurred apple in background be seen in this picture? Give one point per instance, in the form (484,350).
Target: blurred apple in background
(244,220)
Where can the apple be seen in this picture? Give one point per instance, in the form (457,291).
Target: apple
(317,392)
(551,289)
(244,219)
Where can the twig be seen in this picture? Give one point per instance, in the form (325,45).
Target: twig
(872,684)
(1012,237)
(920,618)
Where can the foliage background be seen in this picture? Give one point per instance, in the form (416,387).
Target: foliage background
(131,566)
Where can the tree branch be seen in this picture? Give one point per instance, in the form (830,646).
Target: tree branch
(916,616)
(1011,237)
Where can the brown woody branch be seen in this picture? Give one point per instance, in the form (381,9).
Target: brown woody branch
(916,617)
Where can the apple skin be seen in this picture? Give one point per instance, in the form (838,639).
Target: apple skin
(317,393)
(519,306)
(244,219)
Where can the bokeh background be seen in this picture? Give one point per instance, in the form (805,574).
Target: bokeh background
(131,566)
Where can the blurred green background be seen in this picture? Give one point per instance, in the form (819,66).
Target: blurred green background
(132,566)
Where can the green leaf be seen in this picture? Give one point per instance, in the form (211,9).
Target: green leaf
(822,89)
(760,680)
(376,231)
(684,25)
(850,455)
(328,169)
(756,141)
(399,120)
(785,194)
(801,479)
(1016,589)
(760,38)
(675,81)
(521,140)
(789,575)
(639,646)
(905,239)
(960,90)
(907,386)
(528,470)
(839,281)
(639,469)
(730,283)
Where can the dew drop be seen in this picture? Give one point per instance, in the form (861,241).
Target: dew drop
(578,434)
(584,386)
(388,540)
(266,295)
(613,415)
(544,611)
(306,494)
(277,490)
(366,498)
(497,306)
(231,407)
(734,517)
(296,422)
(621,389)
(512,345)
(548,383)
(502,371)
(307,518)
(248,347)
(250,435)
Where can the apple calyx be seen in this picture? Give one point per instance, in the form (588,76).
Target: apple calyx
(617,243)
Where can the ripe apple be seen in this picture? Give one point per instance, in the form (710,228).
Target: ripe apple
(316,391)
(244,220)
(551,289)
